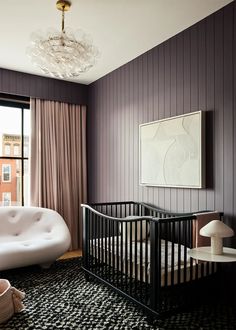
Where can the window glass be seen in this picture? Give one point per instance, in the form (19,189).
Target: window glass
(6,173)
(6,198)
(7,149)
(16,150)
(13,131)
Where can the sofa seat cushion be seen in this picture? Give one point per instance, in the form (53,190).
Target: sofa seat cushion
(31,235)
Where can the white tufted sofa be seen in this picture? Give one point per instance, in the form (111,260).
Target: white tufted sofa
(31,235)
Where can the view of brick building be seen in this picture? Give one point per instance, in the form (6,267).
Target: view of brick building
(10,170)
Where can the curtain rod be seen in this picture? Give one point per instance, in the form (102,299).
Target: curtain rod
(14,98)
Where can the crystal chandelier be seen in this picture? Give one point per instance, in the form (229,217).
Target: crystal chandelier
(62,54)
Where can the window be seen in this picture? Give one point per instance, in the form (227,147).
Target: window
(14,145)
(6,173)
(16,150)
(7,149)
(6,198)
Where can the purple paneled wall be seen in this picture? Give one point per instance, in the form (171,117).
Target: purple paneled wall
(195,70)
(23,84)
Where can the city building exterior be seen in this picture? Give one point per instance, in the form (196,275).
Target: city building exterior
(10,170)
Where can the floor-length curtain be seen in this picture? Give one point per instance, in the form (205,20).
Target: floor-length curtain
(58,161)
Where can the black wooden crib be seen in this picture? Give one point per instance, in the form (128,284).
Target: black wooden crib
(142,252)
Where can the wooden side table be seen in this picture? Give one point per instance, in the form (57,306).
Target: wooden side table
(204,253)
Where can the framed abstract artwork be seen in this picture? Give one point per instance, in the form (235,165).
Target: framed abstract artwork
(172,152)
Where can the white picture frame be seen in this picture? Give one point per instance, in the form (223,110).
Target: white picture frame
(172,152)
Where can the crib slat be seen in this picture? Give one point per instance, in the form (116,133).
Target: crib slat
(135,256)
(172,251)
(117,253)
(166,255)
(102,244)
(93,240)
(126,256)
(130,257)
(121,252)
(141,253)
(98,238)
(191,246)
(106,206)
(185,248)
(106,236)
(195,276)
(179,224)
(109,250)
(113,251)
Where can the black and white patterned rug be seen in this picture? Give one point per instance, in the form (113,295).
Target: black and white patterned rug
(60,298)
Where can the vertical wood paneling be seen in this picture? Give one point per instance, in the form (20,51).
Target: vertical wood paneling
(218,112)
(134,164)
(161,106)
(114,155)
(18,83)
(228,109)
(180,102)
(194,97)
(145,105)
(167,110)
(130,99)
(127,136)
(173,103)
(150,99)
(210,105)
(102,147)
(140,111)
(123,134)
(195,70)
(202,91)
(186,98)
(155,103)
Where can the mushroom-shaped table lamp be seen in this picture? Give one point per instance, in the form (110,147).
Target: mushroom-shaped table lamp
(216,230)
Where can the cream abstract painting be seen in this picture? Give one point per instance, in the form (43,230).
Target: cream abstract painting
(171,152)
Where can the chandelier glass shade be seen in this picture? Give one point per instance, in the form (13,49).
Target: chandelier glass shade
(62,54)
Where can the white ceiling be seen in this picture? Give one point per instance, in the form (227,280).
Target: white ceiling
(121,29)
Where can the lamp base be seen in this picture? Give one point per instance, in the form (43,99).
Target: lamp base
(216,245)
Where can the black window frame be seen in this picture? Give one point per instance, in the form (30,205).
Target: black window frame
(23,103)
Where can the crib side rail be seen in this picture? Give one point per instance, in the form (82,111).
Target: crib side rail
(117,209)
(127,208)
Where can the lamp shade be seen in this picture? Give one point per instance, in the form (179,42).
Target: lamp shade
(216,228)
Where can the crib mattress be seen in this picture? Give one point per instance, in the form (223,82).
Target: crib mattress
(135,262)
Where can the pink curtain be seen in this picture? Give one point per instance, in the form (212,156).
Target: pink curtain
(58,161)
